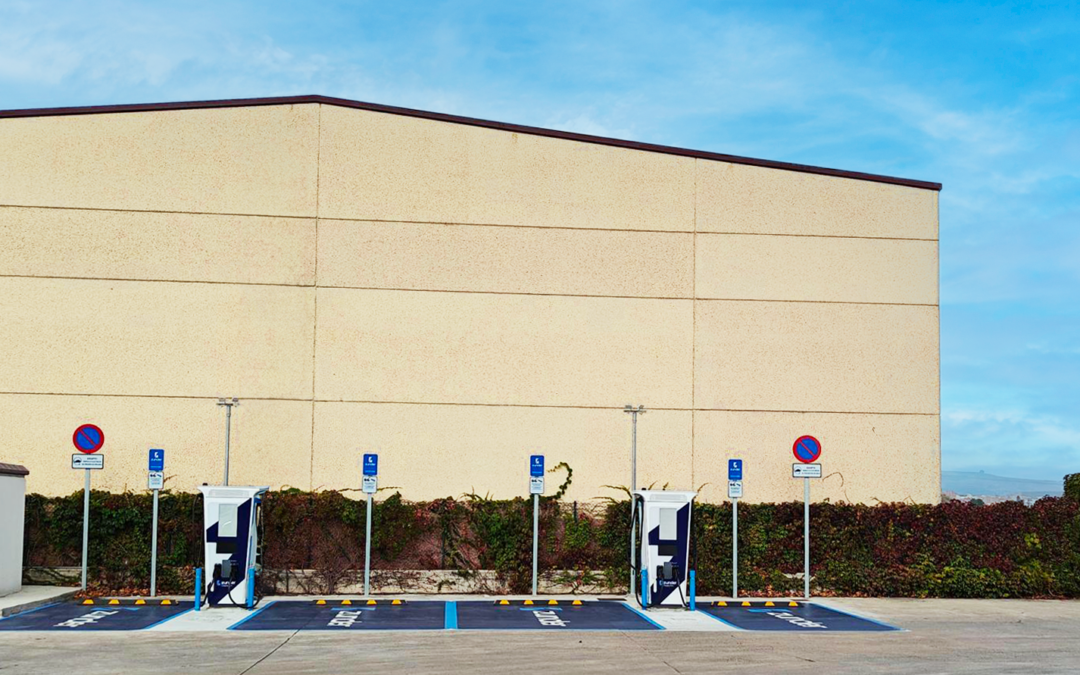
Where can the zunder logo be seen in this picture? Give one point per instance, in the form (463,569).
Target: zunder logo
(92,617)
(793,619)
(345,619)
(549,618)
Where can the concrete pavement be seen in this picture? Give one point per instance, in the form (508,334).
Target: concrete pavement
(29,597)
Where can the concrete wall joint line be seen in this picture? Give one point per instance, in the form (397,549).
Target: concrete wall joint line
(814,236)
(693,336)
(155,281)
(823,302)
(619,407)
(470,404)
(462,224)
(167,212)
(691,297)
(447,223)
(315,300)
(472,292)
(181,397)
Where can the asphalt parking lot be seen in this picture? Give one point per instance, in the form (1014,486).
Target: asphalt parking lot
(937,636)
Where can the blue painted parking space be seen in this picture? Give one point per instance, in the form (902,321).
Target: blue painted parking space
(72,616)
(353,615)
(791,616)
(587,615)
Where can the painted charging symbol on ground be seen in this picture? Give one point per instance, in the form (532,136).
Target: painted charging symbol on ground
(807,449)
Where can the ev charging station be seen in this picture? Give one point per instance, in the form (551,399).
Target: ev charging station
(232,518)
(661,531)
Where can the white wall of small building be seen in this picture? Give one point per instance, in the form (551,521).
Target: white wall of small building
(12,516)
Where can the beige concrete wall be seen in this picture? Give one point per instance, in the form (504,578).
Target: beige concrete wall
(270,445)
(228,160)
(502,349)
(155,339)
(816,357)
(738,198)
(424,256)
(43,242)
(437,450)
(865,458)
(375,166)
(455,298)
(824,269)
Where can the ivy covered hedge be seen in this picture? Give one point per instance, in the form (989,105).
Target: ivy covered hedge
(950,550)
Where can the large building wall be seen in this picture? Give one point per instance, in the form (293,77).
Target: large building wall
(456,298)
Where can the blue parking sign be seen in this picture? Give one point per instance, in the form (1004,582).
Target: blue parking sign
(157,460)
(536,465)
(734,469)
(371,465)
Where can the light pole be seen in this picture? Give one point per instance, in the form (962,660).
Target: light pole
(228,403)
(640,410)
(634,412)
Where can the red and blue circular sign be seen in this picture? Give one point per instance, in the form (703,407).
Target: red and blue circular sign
(807,449)
(88,438)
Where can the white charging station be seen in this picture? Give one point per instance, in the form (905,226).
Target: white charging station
(661,521)
(232,519)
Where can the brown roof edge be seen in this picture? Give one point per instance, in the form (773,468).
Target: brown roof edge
(13,470)
(457,119)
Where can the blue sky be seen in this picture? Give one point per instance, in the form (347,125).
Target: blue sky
(984,98)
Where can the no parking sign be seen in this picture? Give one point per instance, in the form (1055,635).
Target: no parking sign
(88,438)
(806,449)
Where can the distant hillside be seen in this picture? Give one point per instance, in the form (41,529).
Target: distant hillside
(982,483)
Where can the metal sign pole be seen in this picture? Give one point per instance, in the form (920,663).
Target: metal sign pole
(369,483)
(806,449)
(155,479)
(85,524)
(734,547)
(536,488)
(153,550)
(536,531)
(734,492)
(806,538)
(367,550)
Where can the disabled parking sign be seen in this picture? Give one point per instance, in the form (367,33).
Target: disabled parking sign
(734,469)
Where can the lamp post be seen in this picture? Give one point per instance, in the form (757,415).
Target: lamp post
(634,412)
(228,403)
